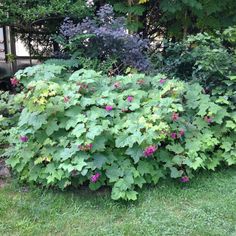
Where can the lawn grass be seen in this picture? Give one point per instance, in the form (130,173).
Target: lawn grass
(207,206)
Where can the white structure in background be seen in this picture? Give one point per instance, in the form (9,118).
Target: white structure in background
(21,50)
(2,46)
(10,47)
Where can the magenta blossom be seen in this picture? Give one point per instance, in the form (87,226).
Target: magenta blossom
(162,81)
(66,99)
(208,119)
(184,179)
(130,98)
(149,151)
(181,133)
(24,139)
(173,135)
(94,178)
(14,81)
(175,116)
(108,108)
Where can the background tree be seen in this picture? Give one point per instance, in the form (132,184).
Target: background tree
(173,19)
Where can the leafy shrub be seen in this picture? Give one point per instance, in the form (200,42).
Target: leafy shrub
(104,43)
(9,114)
(124,131)
(201,57)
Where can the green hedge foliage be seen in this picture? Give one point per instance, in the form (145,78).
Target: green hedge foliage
(84,128)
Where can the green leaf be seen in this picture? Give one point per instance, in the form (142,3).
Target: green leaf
(79,163)
(135,152)
(145,167)
(175,173)
(131,195)
(99,160)
(13,161)
(75,120)
(79,130)
(51,127)
(94,131)
(230,124)
(176,148)
(113,172)
(196,163)
(122,140)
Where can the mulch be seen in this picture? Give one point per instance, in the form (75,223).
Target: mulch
(5,173)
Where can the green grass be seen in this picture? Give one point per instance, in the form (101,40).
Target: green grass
(206,207)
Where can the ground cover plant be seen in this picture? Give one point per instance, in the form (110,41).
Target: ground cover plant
(85,128)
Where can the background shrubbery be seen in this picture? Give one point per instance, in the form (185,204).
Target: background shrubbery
(104,43)
(125,131)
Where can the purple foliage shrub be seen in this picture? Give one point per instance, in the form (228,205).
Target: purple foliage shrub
(105,37)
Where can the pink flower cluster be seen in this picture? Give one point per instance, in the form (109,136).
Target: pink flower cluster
(175,116)
(130,98)
(94,178)
(14,81)
(208,119)
(175,135)
(117,85)
(149,150)
(162,81)
(86,147)
(184,179)
(109,108)
(24,139)
(66,99)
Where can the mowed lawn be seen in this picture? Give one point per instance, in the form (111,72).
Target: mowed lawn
(207,206)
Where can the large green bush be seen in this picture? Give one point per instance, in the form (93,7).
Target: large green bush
(202,58)
(84,128)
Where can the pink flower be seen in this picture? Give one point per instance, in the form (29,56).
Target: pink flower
(117,84)
(14,81)
(162,81)
(173,135)
(208,119)
(94,178)
(175,116)
(86,147)
(184,179)
(108,108)
(24,139)
(140,81)
(66,99)
(181,133)
(149,151)
(130,98)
